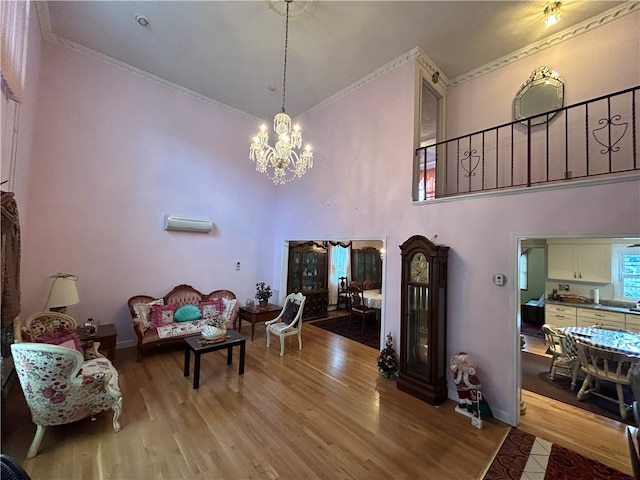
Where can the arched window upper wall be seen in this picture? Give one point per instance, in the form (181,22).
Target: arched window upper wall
(429,129)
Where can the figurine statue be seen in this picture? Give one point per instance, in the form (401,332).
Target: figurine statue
(468,385)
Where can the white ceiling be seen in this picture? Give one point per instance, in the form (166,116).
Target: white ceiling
(230,51)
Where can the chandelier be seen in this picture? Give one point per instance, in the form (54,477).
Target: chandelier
(281,163)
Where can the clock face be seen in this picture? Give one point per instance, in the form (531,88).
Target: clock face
(419,268)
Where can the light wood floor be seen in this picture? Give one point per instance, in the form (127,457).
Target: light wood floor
(322,412)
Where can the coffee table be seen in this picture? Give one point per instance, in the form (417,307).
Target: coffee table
(198,346)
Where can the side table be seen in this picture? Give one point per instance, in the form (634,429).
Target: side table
(257,314)
(106,335)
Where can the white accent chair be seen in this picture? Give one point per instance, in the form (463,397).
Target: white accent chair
(61,387)
(561,357)
(288,322)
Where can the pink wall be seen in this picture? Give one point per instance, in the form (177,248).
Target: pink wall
(113,153)
(360,188)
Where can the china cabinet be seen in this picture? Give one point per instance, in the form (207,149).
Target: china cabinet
(366,264)
(423,362)
(307,273)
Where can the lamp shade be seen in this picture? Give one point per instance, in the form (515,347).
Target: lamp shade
(60,290)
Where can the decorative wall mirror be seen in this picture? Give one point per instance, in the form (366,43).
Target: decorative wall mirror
(542,92)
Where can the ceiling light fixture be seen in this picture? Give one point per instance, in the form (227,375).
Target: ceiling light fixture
(281,163)
(552,13)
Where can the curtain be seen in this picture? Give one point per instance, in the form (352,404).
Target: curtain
(339,266)
(14,22)
(10,259)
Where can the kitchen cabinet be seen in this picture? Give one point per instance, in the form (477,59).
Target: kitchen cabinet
(582,262)
(632,322)
(560,315)
(587,318)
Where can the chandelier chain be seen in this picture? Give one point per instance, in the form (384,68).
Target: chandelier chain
(286,44)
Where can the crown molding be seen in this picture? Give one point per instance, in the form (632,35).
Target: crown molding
(45,26)
(412,54)
(415,54)
(567,34)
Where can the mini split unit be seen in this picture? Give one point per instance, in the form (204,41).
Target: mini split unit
(184,224)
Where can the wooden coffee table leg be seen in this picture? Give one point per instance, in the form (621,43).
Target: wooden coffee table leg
(196,371)
(242,350)
(187,358)
(229,355)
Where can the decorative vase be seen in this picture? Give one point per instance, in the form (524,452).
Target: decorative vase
(264,303)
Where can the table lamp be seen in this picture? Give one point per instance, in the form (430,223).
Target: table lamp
(62,292)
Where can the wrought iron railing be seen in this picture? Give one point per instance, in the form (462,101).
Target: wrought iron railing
(589,139)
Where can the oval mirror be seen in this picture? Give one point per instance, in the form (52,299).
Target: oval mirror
(542,92)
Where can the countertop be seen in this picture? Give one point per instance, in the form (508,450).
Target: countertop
(594,306)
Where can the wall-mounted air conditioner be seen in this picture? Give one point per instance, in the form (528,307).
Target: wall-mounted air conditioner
(174,222)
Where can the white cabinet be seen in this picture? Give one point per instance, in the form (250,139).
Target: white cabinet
(583,262)
(632,322)
(559,315)
(588,317)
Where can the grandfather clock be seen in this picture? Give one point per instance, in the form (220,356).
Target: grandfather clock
(423,328)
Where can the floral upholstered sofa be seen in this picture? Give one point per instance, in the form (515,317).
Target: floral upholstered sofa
(182,312)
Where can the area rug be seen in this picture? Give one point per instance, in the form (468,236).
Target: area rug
(523,455)
(341,326)
(535,378)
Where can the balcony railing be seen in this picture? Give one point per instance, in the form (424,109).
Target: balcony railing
(589,139)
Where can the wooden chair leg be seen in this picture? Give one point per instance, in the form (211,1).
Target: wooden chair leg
(35,444)
(583,390)
(623,407)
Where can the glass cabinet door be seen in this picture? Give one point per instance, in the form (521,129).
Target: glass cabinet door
(417,352)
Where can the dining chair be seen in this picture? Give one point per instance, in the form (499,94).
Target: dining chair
(560,355)
(359,307)
(601,365)
(288,322)
(367,285)
(634,453)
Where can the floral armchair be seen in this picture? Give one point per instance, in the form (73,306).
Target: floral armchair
(56,328)
(61,387)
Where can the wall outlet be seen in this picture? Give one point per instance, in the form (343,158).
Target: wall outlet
(563,287)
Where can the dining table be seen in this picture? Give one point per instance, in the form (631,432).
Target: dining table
(372,299)
(621,341)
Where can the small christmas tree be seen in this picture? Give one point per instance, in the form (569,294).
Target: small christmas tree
(388,361)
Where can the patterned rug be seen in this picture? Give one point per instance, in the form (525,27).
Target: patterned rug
(340,326)
(524,456)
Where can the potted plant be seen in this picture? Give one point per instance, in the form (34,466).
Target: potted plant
(263,293)
(388,360)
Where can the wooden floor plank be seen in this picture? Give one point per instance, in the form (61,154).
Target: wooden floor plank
(320,412)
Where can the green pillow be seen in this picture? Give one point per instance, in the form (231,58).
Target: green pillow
(187,313)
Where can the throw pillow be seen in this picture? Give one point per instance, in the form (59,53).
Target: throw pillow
(211,308)
(63,338)
(143,312)
(290,312)
(162,315)
(187,313)
(229,305)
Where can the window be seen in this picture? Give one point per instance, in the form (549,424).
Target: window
(524,269)
(428,133)
(626,268)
